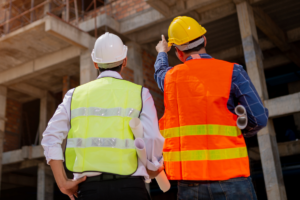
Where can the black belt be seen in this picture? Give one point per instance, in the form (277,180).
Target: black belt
(106,177)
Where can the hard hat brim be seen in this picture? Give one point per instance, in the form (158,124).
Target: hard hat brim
(119,58)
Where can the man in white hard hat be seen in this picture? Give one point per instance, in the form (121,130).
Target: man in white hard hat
(95,119)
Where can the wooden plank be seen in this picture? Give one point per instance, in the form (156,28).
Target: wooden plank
(266,137)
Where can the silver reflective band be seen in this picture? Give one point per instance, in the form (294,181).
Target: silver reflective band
(105,112)
(188,46)
(100,142)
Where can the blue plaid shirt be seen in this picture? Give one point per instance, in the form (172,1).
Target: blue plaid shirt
(242,92)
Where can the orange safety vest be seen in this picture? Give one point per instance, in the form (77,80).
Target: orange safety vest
(202,140)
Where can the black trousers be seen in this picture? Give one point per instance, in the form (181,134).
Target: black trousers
(125,188)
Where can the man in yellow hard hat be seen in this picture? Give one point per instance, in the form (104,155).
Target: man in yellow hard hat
(204,149)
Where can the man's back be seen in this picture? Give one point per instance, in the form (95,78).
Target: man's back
(202,139)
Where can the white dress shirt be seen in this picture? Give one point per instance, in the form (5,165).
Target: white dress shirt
(59,126)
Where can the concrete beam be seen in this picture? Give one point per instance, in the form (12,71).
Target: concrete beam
(68,33)
(20,155)
(283,105)
(22,165)
(284,148)
(144,19)
(160,6)
(28,89)
(101,21)
(145,36)
(275,61)
(39,65)
(264,43)
(276,35)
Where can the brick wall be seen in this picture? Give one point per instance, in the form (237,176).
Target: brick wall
(13,125)
(149,82)
(127,74)
(120,9)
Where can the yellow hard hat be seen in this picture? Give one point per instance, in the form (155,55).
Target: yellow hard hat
(183,30)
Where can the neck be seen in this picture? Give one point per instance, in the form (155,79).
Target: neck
(201,51)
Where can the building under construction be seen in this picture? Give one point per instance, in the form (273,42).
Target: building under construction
(45,48)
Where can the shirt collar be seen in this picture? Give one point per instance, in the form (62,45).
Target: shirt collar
(202,55)
(109,73)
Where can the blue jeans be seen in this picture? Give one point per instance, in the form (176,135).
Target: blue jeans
(232,189)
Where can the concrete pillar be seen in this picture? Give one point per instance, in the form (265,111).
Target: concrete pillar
(87,69)
(47,8)
(47,109)
(7,16)
(266,137)
(43,117)
(3,95)
(45,182)
(135,61)
(294,87)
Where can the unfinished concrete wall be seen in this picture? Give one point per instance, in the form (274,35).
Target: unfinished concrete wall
(13,125)
(120,9)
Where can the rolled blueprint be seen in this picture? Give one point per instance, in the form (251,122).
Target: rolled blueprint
(242,120)
(138,131)
(141,152)
(163,181)
(136,127)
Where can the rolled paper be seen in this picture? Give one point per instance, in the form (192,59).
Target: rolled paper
(242,120)
(141,152)
(137,127)
(163,181)
(138,131)
(240,110)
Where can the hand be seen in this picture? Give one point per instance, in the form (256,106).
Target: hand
(153,174)
(70,187)
(162,46)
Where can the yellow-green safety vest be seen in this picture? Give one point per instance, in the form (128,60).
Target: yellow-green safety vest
(100,139)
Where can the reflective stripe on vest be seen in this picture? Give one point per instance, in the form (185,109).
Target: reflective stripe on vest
(100,138)
(202,139)
(201,130)
(100,142)
(217,154)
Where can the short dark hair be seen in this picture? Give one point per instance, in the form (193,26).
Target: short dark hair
(116,69)
(197,48)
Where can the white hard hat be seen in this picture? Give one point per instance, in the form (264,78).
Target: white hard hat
(109,51)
